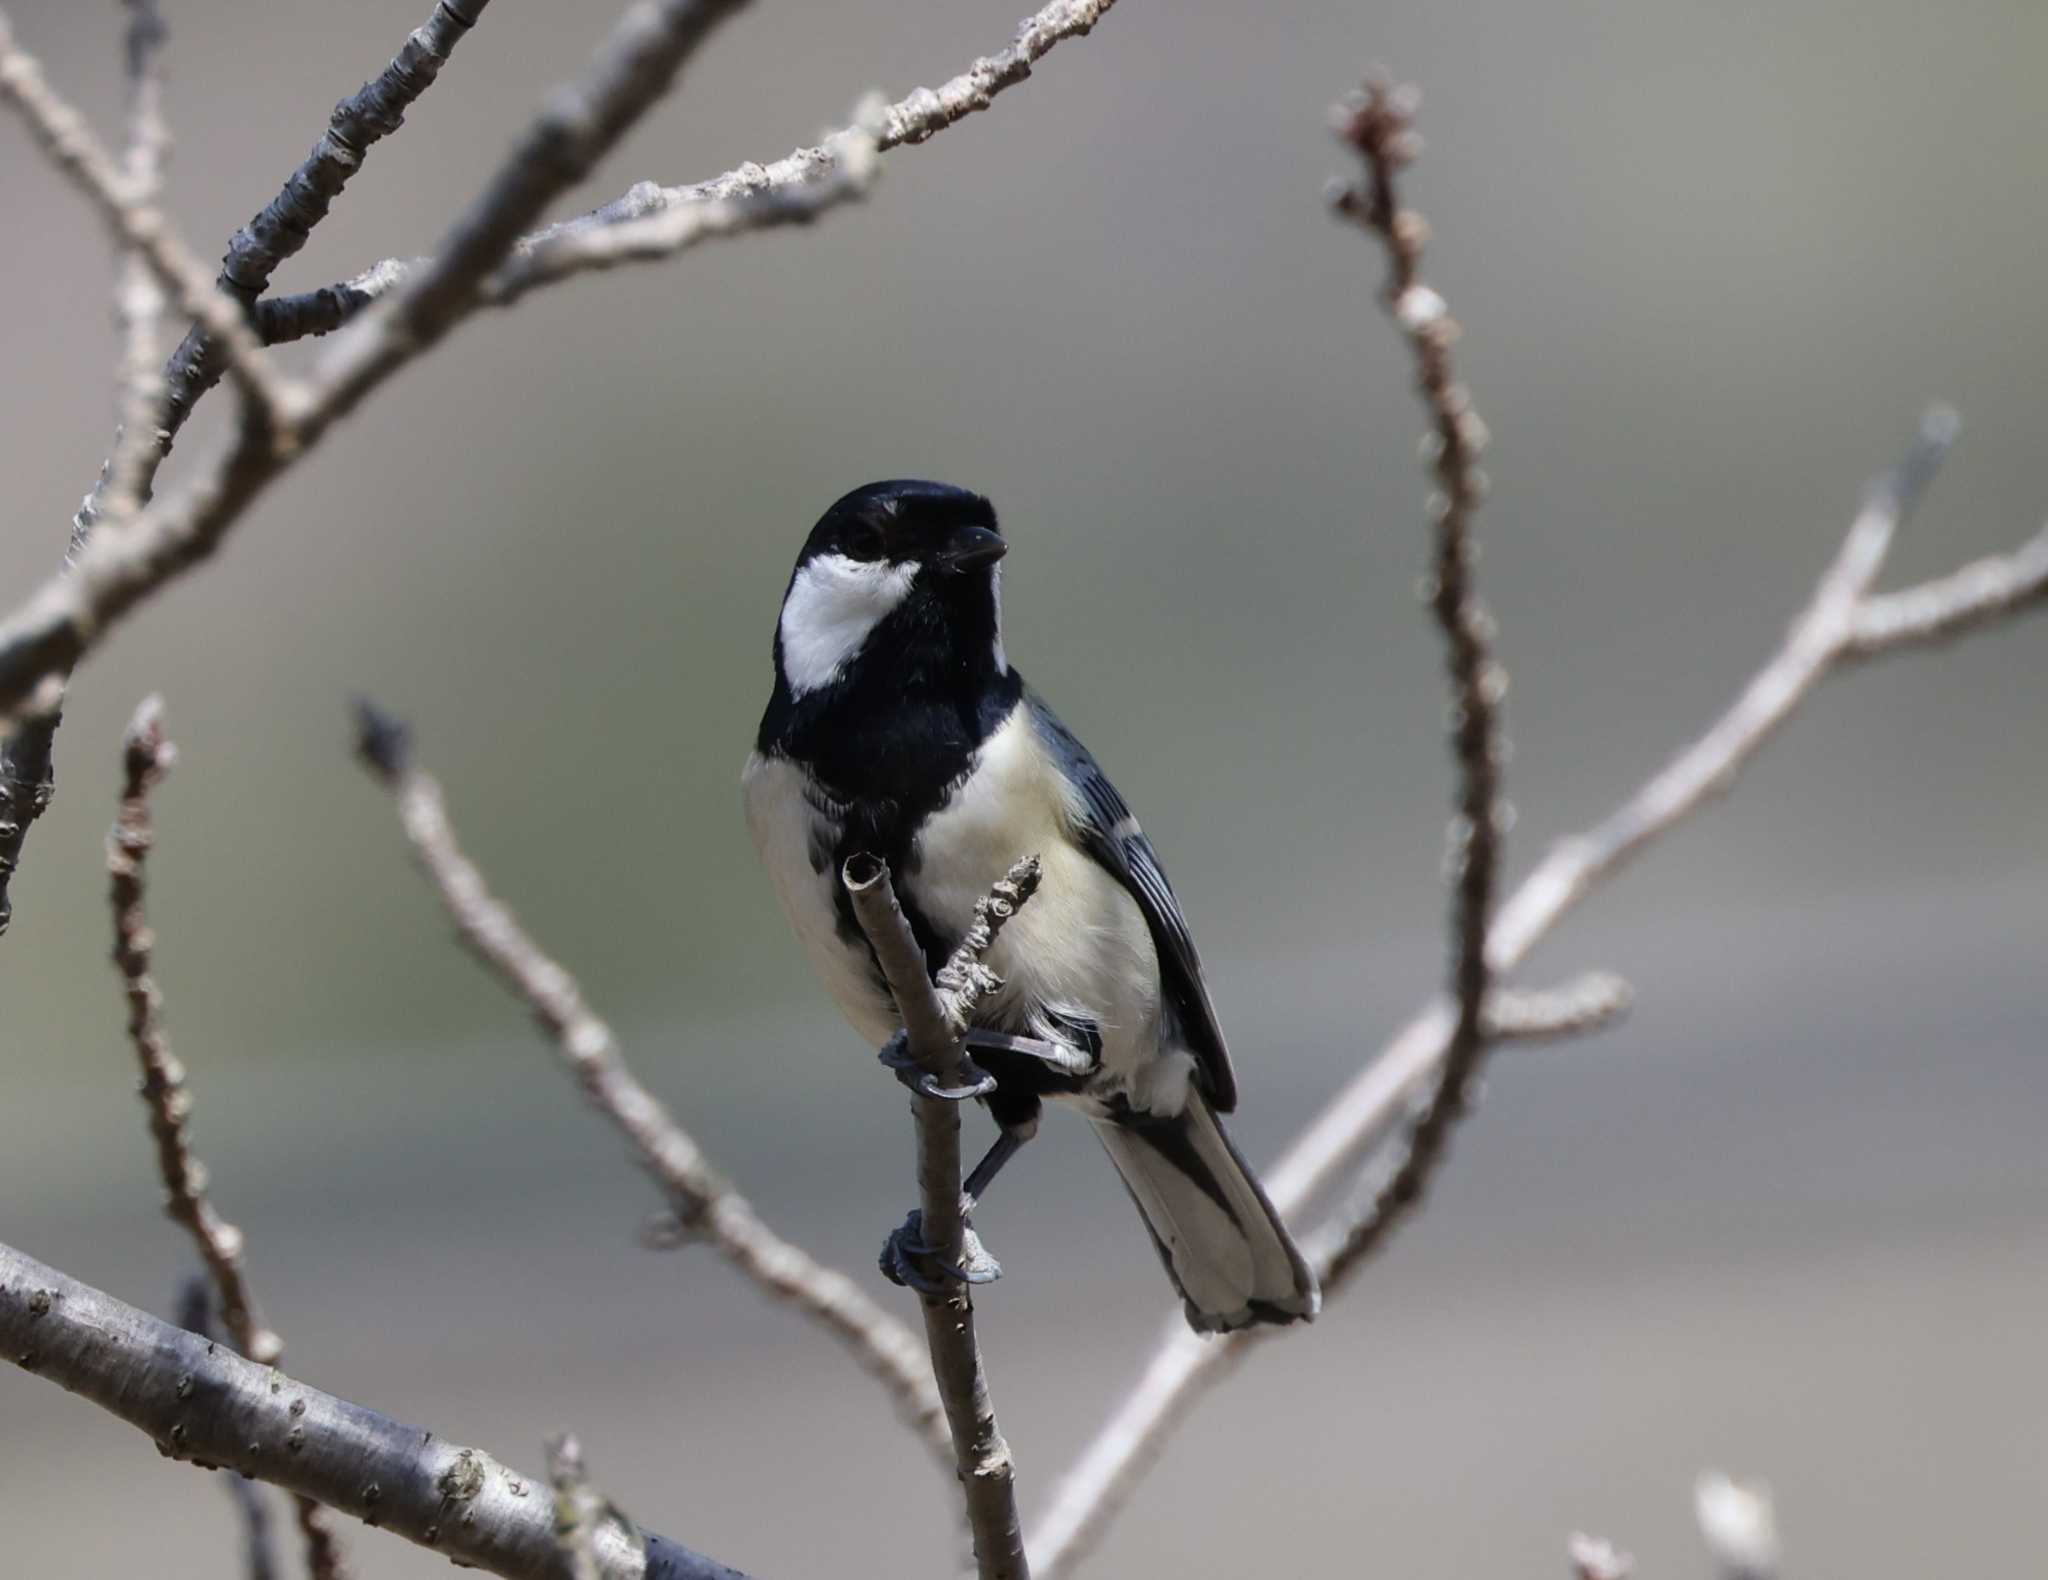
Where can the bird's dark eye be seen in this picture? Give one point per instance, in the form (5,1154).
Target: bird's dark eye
(864,541)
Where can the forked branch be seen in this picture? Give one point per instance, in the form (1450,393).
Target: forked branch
(935,1022)
(1844,622)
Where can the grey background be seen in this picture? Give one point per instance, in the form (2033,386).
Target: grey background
(1711,260)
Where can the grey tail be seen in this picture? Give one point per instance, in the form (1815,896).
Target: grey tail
(1223,1244)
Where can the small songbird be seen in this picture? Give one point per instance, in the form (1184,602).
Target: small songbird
(898,727)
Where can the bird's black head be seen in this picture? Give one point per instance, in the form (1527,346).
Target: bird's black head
(894,607)
(910,522)
(898,578)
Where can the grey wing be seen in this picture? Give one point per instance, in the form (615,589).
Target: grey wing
(1110,834)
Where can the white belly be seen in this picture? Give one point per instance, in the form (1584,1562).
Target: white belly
(1080,947)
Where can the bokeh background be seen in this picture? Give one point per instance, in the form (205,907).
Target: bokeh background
(1711,259)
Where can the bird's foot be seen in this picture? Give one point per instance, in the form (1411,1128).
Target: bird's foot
(907,1259)
(975,1081)
(1063,1057)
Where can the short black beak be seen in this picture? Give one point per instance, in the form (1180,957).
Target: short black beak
(972,547)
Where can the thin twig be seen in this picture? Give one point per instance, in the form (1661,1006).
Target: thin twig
(935,1021)
(259,1561)
(1843,623)
(1981,593)
(747,197)
(157,401)
(146,756)
(702,1200)
(139,300)
(46,636)
(68,615)
(1587,1003)
(27,780)
(557,254)
(1379,125)
(138,223)
(202,1403)
(577,126)
(286,222)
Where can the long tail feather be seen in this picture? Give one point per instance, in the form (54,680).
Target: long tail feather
(1223,1244)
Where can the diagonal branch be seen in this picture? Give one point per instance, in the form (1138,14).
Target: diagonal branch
(1828,633)
(138,223)
(700,1197)
(935,1022)
(1843,623)
(48,634)
(750,196)
(286,222)
(146,757)
(68,615)
(202,1403)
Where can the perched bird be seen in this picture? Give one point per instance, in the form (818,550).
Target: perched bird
(898,727)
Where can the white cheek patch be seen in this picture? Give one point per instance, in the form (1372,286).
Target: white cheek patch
(833,606)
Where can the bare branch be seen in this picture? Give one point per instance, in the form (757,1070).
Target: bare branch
(702,1200)
(138,223)
(791,189)
(139,300)
(202,1403)
(70,614)
(286,222)
(1820,638)
(1844,622)
(578,125)
(1577,1008)
(49,633)
(558,254)
(27,778)
(935,1021)
(146,757)
(1379,125)
(1367,1111)
(1988,590)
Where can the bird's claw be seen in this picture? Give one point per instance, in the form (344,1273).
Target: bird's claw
(895,1053)
(906,1255)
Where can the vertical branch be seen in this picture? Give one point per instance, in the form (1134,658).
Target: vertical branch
(146,756)
(934,1024)
(1378,124)
(27,768)
(139,300)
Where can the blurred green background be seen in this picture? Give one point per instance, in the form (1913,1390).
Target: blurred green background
(1711,260)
